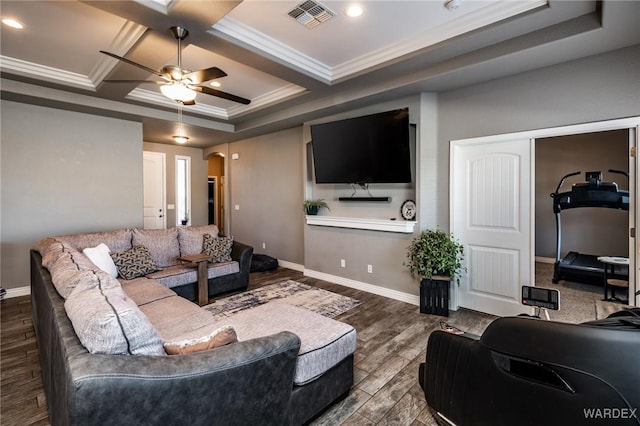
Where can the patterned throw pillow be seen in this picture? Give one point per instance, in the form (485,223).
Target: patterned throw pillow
(219,248)
(134,263)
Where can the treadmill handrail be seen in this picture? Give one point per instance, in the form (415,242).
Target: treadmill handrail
(562,182)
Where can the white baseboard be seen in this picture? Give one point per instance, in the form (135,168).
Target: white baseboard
(369,288)
(17,292)
(291,265)
(543,259)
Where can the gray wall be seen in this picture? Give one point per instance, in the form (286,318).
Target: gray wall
(266,183)
(199,174)
(587,230)
(63,172)
(596,88)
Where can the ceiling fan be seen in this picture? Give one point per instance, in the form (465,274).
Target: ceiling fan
(180,84)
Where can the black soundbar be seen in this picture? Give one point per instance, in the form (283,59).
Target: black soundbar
(358,199)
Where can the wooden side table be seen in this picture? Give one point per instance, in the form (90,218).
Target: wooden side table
(610,262)
(201,261)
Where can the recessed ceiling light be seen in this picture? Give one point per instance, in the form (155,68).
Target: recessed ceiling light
(452,4)
(12,23)
(215,84)
(354,11)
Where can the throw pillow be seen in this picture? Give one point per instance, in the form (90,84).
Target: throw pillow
(99,255)
(134,263)
(190,238)
(219,337)
(219,248)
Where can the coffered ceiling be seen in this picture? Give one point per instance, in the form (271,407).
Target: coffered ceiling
(289,71)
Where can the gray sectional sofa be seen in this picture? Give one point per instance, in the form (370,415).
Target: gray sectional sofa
(102,345)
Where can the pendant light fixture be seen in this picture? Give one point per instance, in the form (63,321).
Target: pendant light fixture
(180,137)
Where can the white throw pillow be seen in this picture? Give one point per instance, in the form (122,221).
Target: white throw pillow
(100,257)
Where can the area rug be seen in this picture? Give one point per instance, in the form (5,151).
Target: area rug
(604,309)
(292,292)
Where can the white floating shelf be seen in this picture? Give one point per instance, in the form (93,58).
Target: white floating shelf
(401,226)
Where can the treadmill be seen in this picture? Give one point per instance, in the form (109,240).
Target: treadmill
(593,192)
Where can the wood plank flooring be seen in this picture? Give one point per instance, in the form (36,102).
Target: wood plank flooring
(392,339)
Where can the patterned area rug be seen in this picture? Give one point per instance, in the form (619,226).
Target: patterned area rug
(314,299)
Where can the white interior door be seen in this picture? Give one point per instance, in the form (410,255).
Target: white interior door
(491,205)
(153,170)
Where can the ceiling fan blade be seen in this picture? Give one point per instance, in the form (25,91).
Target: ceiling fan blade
(221,94)
(197,77)
(189,102)
(135,64)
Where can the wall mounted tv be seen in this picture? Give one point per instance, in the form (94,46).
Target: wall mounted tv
(369,149)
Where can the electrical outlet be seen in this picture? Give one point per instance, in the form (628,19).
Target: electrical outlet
(370,269)
(343,263)
(264,245)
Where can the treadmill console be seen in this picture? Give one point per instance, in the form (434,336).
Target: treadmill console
(541,297)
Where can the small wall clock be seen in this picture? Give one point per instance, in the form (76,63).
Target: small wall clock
(408,210)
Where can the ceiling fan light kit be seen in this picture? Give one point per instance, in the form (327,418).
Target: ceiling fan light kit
(178,83)
(181,139)
(178,92)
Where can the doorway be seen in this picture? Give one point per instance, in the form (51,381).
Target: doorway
(215,182)
(460,217)
(590,231)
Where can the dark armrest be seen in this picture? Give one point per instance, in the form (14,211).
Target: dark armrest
(242,253)
(230,385)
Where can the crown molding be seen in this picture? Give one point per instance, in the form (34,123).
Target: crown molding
(235,31)
(43,72)
(275,96)
(278,95)
(127,37)
(156,98)
(489,15)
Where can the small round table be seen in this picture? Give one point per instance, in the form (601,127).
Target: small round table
(610,263)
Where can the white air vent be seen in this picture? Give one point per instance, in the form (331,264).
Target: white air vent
(311,13)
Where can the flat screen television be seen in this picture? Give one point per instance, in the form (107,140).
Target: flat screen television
(369,149)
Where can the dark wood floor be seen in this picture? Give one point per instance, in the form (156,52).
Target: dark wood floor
(392,339)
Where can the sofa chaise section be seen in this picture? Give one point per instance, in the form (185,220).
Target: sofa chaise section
(230,385)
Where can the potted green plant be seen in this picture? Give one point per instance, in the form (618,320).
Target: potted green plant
(185,219)
(436,258)
(311,207)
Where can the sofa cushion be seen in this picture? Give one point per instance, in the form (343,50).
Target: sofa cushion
(176,317)
(324,341)
(144,290)
(190,238)
(64,271)
(118,240)
(107,321)
(219,337)
(161,243)
(133,263)
(219,248)
(174,276)
(99,256)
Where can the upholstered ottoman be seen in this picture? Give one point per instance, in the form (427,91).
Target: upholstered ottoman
(324,368)
(325,342)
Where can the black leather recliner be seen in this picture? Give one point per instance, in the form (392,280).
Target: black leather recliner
(526,371)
